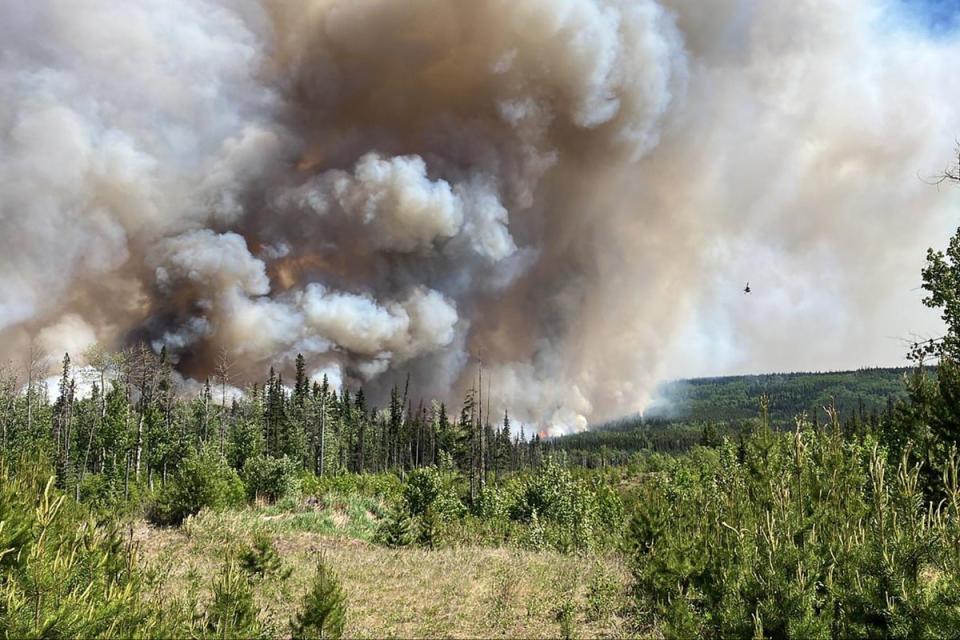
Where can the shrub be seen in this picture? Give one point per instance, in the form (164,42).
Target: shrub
(271,478)
(324,608)
(492,502)
(602,592)
(434,490)
(565,614)
(609,508)
(385,486)
(203,480)
(573,513)
(430,497)
(96,488)
(535,536)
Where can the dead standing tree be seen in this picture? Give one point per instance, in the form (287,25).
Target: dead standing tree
(222,372)
(104,365)
(37,363)
(142,373)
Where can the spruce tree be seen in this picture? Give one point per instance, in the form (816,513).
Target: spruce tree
(395,424)
(61,423)
(360,411)
(301,386)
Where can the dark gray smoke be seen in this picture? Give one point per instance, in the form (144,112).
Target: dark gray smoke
(563,190)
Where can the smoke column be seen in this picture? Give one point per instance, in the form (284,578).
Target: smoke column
(572,192)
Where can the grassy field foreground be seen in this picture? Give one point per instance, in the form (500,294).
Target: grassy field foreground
(466,591)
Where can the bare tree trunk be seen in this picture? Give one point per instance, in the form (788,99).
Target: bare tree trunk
(206,414)
(323,432)
(32,362)
(416,456)
(93,430)
(361,434)
(486,469)
(139,452)
(223,402)
(223,373)
(126,479)
(473,448)
(66,436)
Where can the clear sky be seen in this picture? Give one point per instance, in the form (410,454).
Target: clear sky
(939,17)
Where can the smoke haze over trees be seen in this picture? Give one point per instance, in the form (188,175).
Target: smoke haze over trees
(570,192)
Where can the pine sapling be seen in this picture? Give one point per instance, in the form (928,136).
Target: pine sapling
(324,608)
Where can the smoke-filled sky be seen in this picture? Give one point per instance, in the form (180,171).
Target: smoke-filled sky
(573,192)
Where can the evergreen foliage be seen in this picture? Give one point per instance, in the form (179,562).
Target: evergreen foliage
(202,480)
(797,535)
(845,529)
(271,478)
(62,574)
(137,431)
(324,608)
(261,560)
(397,528)
(232,613)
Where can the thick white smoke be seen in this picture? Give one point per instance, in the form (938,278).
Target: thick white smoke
(572,192)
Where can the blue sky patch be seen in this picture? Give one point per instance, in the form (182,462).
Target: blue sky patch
(936,17)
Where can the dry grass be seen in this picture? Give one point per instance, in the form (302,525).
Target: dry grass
(466,592)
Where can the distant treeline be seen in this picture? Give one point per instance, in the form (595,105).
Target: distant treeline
(701,411)
(730,398)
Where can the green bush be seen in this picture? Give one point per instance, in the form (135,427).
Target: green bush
(796,535)
(384,486)
(396,529)
(324,608)
(602,594)
(492,502)
(97,488)
(430,497)
(546,508)
(271,478)
(565,614)
(573,513)
(435,491)
(202,480)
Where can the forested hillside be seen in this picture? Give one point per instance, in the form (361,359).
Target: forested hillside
(701,411)
(724,399)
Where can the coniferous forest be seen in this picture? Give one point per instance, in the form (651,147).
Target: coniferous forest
(143,510)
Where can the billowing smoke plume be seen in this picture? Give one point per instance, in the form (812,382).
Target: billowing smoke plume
(570,192)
